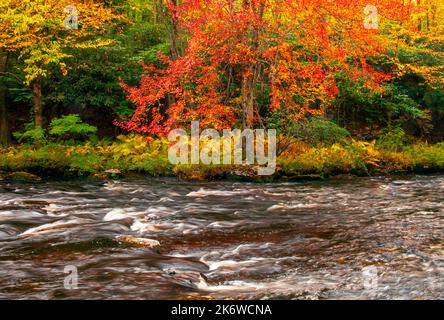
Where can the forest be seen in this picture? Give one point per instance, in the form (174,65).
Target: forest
(255,150)
(92,88)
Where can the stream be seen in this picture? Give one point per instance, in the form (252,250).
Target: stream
(366,238)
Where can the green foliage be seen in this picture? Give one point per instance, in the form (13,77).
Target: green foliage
(65,128)
(434,100)
(317,131)
(428,157)
(151,55)
(136,154)
(71,127)
(14,81)
(127,153)
(93,79)
(93,82)
(363,158)
(393,138)
(31,135)
(395,104)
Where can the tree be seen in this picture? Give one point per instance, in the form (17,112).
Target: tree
(4,131)
(414,52)
(40,31)
(240,53)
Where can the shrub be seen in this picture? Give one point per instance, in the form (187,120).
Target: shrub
(31,135)
(393,139)
(71,127)
(317,131)
(135,154)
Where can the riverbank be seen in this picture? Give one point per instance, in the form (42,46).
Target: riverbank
(133,154)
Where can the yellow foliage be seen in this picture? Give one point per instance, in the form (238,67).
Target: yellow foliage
(35,29)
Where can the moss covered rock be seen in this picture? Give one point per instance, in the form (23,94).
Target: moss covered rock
(23,176)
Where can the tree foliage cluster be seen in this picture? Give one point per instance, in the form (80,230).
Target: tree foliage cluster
(309,68)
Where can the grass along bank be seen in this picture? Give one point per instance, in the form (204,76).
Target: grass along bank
(134,154)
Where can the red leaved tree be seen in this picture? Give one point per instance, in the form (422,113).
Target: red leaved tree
(242,53)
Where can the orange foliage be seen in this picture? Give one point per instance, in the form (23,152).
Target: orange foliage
(236,49)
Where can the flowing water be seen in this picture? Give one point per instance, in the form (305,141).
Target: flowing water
(368,238)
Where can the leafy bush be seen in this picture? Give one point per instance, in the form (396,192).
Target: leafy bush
(128,154)
(31,135)
(135,154)
(317,131)
(393,139)
(364,158)
(71,127)
(356,157)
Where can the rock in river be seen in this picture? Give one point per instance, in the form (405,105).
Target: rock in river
(138,242)
(23,176)
(113,172)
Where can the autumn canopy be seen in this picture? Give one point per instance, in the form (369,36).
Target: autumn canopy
(245,58)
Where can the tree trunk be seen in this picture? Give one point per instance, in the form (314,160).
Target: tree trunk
(247,92)
(166,15)
(4,130)
(251,72)
(174,34)
(36,87)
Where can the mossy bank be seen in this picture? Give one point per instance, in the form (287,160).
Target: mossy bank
(134,154)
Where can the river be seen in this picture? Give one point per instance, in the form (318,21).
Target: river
(367,238)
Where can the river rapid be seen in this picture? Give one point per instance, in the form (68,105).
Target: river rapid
(367,238)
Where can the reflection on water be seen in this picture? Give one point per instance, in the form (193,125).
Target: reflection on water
(312,240)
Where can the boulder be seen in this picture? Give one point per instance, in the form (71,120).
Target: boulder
(138,242)
(343,177)
(23,176)
(113,172)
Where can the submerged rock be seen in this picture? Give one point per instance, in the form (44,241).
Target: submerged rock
(138,242)
(7,231)
(23,176)
(55,226)
(190,279)
(113,172)
(343,177)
